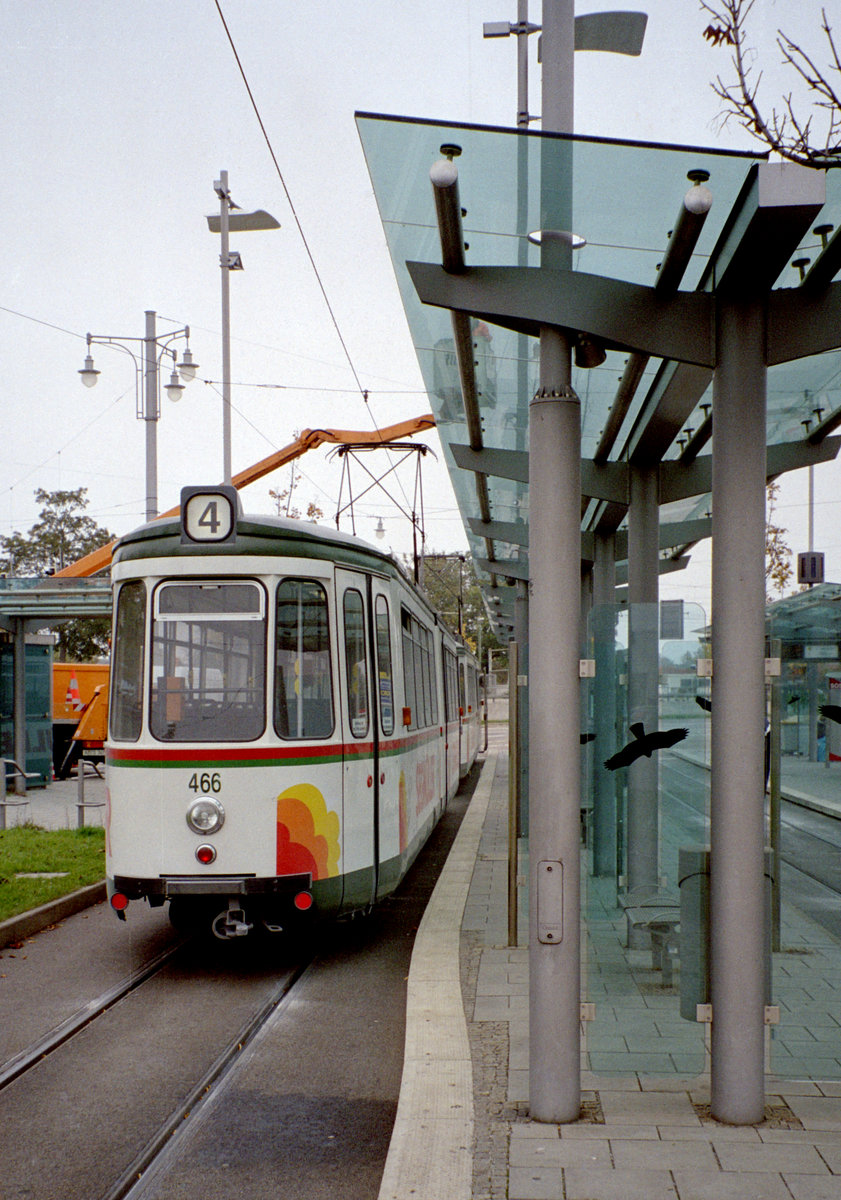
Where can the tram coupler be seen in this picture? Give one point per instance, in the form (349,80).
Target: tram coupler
(231,923)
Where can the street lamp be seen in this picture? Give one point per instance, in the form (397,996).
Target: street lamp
(230,260)
(147,399)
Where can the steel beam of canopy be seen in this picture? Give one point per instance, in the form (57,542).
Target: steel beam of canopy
(622,315)
(678,533)
(679,481)
(516,533)
(510,568)
(607,481)
(803,321)
(444,179)
(756,244)
(682,242)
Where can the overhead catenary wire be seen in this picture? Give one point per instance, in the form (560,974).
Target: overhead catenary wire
(364,392)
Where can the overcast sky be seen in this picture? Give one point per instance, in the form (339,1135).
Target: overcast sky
(117,118)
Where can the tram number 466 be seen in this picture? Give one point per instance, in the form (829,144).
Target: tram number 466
(206,783)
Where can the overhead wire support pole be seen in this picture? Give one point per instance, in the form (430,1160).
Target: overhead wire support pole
(221,187)
(554,546)
(151,413)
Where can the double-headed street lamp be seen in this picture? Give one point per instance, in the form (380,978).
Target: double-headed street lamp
(147,398)
(230,260)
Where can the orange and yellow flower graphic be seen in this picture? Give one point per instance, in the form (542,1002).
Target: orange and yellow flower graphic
(307,833)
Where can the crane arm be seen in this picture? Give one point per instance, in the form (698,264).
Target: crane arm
(99,559)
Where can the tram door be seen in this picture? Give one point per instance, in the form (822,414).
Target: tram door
(360,734)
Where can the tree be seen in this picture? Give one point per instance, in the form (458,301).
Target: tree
(778,568)
(284,505)
(792,131)
(453,589)
(61,534)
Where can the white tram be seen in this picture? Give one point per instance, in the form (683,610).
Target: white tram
(287,720)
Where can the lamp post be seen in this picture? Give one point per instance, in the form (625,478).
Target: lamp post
(147,398)
(230,260)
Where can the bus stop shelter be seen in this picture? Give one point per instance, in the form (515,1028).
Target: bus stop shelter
(692,293)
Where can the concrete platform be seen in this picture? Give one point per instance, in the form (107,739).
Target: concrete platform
(463,1128)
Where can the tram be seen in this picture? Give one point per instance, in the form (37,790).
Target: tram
(288,719)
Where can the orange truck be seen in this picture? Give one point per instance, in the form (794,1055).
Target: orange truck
(80,698)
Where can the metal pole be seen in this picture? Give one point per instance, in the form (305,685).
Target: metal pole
(775,801)
(19,710)
(643,822)
(150,414)
(523,64)
(521,636)
(737,888)
(554,556)
(224,261)
(604,652)
(513,796)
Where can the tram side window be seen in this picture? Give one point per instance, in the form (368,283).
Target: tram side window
(208,662)
(451,686)
(385,676)
(127,675)
(303,695)
(418,671)
(472,692)
(355,664)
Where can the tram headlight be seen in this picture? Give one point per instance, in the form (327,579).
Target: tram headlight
(206,816)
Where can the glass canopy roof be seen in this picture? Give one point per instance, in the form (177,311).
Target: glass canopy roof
(626,198)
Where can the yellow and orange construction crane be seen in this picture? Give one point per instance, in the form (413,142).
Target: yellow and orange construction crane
(99,559)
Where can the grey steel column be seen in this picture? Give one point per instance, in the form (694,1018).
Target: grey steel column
(604,706)
(521,699)
(224,262)
(643,823)
(19,708)
(150,414)
(554,556)
(737,893)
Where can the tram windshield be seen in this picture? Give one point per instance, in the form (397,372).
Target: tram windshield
(208,662)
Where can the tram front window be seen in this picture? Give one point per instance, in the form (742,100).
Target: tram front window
(303,691)
(208,662)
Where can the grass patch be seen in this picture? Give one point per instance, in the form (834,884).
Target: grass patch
(75,856)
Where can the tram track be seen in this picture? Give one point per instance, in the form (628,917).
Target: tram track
(130,1185)
(24,1061)
(109,1087)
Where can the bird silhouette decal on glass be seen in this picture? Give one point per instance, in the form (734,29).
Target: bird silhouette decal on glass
(644,744)
(706,704)
(832,712)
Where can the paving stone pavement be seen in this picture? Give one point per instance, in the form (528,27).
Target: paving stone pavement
(639,1137)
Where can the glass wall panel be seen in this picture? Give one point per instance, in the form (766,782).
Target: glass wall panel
(804,834)
(646,803)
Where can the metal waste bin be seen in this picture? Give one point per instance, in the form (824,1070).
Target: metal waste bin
(694,884)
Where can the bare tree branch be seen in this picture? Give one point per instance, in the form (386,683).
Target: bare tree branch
(788,130)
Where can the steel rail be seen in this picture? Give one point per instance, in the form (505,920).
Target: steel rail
(132,1183)
(38,1051)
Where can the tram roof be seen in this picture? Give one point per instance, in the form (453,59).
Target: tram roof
(625,199)
(256,534)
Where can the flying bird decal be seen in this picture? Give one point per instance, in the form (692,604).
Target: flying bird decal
(832,712)
(644,744)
